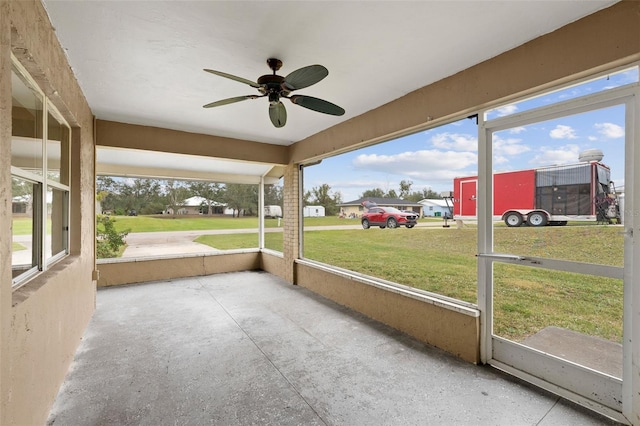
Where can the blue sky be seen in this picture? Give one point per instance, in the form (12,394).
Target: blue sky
(432,158)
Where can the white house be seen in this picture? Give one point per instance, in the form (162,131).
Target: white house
(435,207)
(313,211)
(196,205)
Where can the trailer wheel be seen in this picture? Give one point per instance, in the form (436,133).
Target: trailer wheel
(537,219)
(513,219)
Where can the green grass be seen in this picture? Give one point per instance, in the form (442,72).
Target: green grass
(17,247)
(181,223)
(443,261)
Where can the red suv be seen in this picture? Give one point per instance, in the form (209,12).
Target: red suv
(388,217)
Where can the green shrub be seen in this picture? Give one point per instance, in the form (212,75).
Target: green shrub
(109,241)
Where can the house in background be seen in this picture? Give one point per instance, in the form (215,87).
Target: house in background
(198,205)
(355,208)
(435,208)
(313,211)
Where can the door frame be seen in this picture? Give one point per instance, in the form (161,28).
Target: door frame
(619,399)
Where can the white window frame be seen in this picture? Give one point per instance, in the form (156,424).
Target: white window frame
(39,236)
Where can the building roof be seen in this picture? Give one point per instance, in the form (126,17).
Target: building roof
(198,201)
(434,202)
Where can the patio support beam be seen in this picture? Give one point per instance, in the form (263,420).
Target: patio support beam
(132,136)
(291,221)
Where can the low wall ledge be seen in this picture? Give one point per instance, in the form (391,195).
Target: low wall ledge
(173,256)
(441,301)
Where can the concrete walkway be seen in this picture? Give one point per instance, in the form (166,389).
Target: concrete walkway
(249,349)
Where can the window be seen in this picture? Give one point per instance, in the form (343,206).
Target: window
(40,170)
(433,257)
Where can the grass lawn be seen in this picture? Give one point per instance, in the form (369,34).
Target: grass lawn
(443,261)
(17,247)
(181,223)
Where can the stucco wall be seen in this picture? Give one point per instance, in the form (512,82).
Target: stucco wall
(130,271)
(455,329)
(42,322)
(273,263)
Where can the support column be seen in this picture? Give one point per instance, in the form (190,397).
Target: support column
(5,208)
(291,221)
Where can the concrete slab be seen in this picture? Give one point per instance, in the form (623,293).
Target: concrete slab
(593,352)
(247,348)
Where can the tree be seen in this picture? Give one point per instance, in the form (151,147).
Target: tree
(405,188)
(142,195)
(176,195)
(373,193)
(391,194)
(273,195)
(241,198)
(323,196)
(209,191)
(426,193)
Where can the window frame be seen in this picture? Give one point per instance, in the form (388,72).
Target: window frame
(42,184)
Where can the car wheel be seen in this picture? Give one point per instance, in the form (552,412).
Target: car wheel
(410,226)
(365,224)
(392,222)
(537,219)
(513,219)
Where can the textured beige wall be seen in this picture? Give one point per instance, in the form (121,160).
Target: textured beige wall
(43,321)
(141,270)
(273,264)
(122,135)
(450,330)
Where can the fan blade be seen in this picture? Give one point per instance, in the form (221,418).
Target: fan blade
(234,77)
(278,114)
(305,77)
(317,104)
(230,101)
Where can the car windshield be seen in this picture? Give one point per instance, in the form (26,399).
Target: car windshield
(392,210)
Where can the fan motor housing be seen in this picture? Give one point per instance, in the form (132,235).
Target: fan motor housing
(271,83)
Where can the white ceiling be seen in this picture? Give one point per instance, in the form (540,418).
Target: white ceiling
(142,62)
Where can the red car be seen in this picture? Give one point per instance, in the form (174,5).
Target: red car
(388,217)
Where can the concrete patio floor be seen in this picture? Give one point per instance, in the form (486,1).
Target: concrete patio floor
(249,349)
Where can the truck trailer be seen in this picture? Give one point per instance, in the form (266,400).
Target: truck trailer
(544,196)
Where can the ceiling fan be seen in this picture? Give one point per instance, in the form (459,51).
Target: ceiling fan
(276,87)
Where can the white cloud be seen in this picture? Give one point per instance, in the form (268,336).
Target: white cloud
(500,159)
(506,110)
(418,165)
(517,130)
(561,155)
(610,130)
(455,141)
(508,147)
(563,132)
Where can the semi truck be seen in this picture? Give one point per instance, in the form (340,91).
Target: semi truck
(543,196)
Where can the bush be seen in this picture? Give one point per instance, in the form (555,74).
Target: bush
(108,240)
